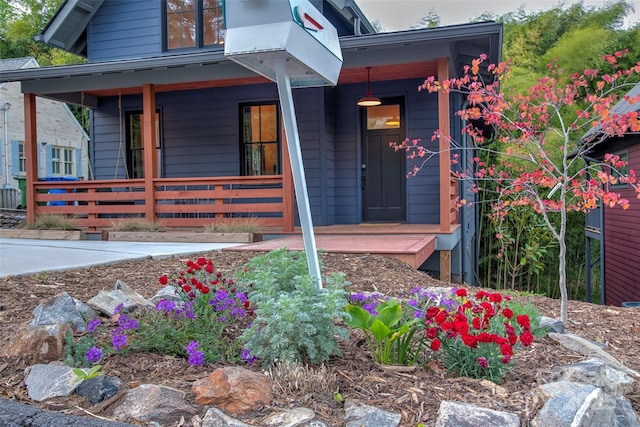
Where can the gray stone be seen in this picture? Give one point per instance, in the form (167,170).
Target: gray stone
(459,414)
(154,403)
(569,403)
(59,309)
(553,325)
(14,414)
(99,388)
(132,295)
(587,348)
(216,418)
(167,293)
(597,373)
(361,415)
(106,302)
(46,381)
(292,418)
(85,311)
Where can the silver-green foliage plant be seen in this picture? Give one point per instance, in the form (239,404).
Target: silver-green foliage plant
(294,319)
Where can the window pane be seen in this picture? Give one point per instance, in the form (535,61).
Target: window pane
(383,117)
(260,139)
(181,23)
(213,22)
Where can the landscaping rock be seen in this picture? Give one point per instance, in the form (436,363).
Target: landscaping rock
(152,403)
(361,415)
(573,404)
(587,348)
(597,373)
(59,309)
(216,418)
(554,325)
(167,293)
(235,390)
(14,414)
(459,414)
(37,344)
(46,381)
(292,418)
(85,311)
(99,388)
(132,295)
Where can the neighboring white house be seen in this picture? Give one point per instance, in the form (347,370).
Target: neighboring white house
(62,143)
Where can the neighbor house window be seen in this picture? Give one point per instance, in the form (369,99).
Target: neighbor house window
(62,162)
(193,23)
(22,158)
(621,171)
(135,146)
(260,139)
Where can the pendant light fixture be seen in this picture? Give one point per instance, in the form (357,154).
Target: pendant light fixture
(369,100)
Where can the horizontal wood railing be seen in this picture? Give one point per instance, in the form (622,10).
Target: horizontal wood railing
(179,202)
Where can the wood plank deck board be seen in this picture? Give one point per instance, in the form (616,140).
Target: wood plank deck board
(412,249)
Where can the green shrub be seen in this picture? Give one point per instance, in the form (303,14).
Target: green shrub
(294,318)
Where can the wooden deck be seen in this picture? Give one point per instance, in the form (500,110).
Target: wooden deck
(409,243)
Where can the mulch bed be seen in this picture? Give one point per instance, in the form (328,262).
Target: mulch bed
(415,395)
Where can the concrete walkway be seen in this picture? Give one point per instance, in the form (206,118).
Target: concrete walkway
(27,256)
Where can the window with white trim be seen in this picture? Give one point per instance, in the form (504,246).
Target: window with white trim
(22,158)
(62,161)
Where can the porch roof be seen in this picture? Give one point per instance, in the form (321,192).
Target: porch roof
(416,50)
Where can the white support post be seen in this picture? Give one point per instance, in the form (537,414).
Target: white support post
(297,168)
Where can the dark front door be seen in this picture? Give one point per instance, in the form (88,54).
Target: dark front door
(383,169)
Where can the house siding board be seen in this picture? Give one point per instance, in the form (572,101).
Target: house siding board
(622,243)
(125,29)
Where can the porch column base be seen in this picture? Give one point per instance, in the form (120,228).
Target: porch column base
(445,266)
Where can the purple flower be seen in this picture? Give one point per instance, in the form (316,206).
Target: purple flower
(119,341)
(196,358)
(165,305)
(238,312)
(91,327)
(192,346)
(130,324)
(371,308)
(247,357)
(93,355)
(118,309)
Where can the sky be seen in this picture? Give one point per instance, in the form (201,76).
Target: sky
(395,15)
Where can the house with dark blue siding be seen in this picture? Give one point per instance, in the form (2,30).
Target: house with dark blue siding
(182,135)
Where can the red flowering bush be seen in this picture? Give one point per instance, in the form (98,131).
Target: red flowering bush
(477,337)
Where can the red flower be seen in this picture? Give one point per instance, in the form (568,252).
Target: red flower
(484,337)
(194,281)
(186,288)
(506,350)
(476,323)
(513,339)
(461,292)
(495,297)
(508,313)
(202,261)
(482,295)
(523,320)
(506,359)
(440,317)
(526,338)
(461,326)
(432,311)
(189,263)
(163,279)
(246,304)
(204,290)
(435,344)
(446,326)
(470,340)
(509,329)
(432,333)
(209,268)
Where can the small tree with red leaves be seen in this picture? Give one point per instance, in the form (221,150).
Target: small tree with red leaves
(541,138)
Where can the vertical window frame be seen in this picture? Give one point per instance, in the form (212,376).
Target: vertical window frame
(244,169)
(22,158)
(199,26)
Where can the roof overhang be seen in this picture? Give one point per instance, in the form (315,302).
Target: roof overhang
(67,29)
(393,56)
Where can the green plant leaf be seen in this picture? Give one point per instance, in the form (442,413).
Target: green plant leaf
(358,316)
(379,330)
(391,314)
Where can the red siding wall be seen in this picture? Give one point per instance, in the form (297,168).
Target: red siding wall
(622,244)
